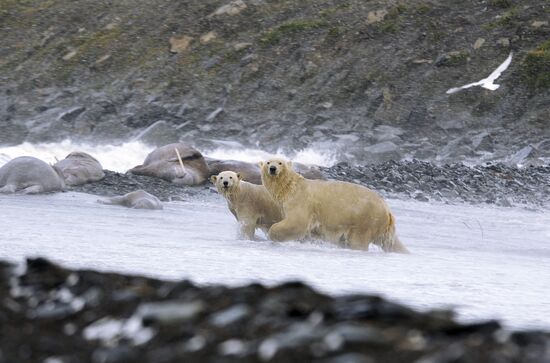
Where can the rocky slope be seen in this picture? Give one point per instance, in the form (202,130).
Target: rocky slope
(367,78)
(52,314)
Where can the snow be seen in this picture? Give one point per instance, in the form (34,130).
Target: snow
(486,262)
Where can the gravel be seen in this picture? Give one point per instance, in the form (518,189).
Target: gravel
(493,184)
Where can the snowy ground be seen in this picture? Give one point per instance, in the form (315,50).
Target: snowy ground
(485,262)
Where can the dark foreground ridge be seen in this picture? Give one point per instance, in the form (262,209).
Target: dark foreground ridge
(492,183)
(53,314)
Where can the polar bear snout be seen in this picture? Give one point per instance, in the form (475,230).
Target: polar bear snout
(225,183)
(273,170)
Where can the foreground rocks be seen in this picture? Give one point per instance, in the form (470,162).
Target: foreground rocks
(52,314)
(483,184)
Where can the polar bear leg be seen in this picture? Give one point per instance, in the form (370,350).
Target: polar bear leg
(288,229)
(248,229)
(358,239)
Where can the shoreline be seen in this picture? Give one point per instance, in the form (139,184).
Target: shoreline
(490,184)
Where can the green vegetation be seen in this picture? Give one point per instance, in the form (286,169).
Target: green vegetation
(328,12)
(388,26)
(457,58)
(336,31)
(102,39)
(504,4)
(507,19)
(290,28)
(536,66)
(422,9)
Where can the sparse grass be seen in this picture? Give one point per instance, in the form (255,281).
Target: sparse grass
(388,26)
(457,59)
(336,31)
(102,39)
(422,9)
(328,12)
(390,23)
(536,66)
(505,20)
(290,28)
(396,10)
(504,4)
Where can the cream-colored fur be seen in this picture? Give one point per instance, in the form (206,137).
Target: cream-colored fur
(251,204)
(340,212)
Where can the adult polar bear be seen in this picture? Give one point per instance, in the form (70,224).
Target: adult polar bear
(336,211)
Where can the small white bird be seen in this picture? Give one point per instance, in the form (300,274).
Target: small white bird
(487,82)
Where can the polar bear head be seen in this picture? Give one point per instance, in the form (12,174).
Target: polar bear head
(275,167)
(226,181)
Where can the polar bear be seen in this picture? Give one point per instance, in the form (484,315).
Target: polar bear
(251,204)
(337,211)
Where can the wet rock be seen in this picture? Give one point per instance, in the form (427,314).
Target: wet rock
(387,133)
(110,129)
(72,113)
(170,312)
(383,151)
(158,134)
(230,315)
(483,141)
(212,115)
(12,133)
(522,155)
(148,115)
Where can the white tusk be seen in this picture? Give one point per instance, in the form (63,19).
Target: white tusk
(181,162)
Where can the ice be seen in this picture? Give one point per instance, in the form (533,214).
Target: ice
(485,262)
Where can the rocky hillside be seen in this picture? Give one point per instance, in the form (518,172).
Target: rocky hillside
(366,77)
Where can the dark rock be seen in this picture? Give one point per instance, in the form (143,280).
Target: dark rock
(12,133)
(170,312)
(383,151)
(158,134)
(285,323)
(72,113)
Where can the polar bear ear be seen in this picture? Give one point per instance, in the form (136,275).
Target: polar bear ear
(239,176)
(289,164)
(261,164)
(213,179)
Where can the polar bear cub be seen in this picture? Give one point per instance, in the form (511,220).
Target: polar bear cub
(251,204)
